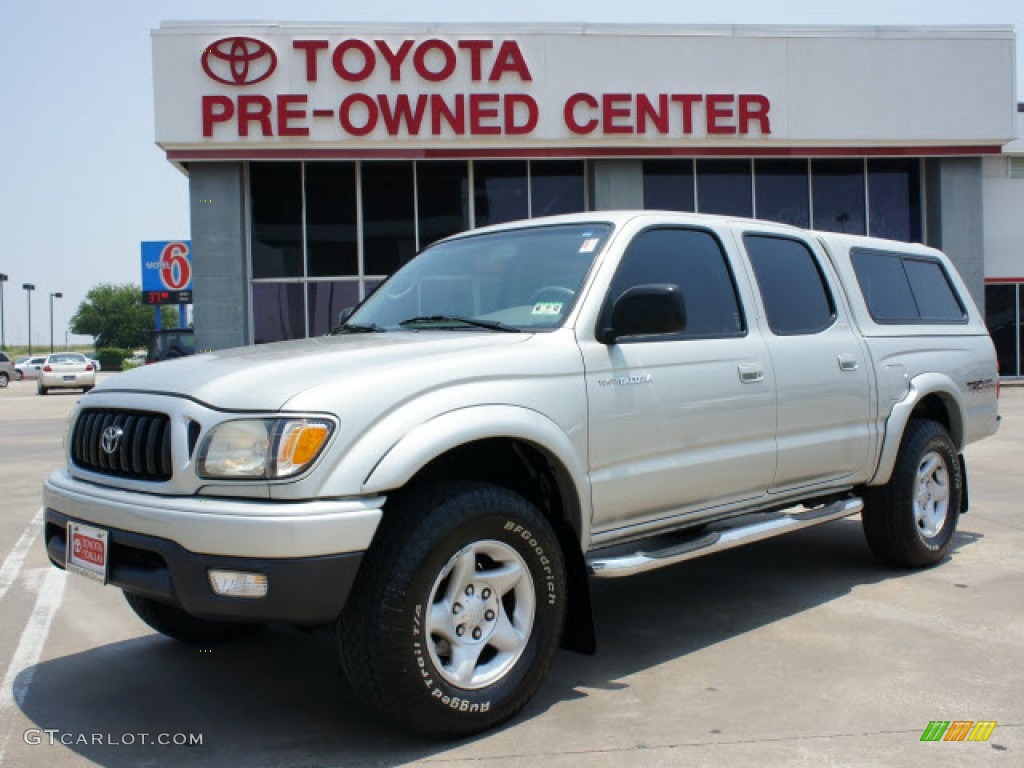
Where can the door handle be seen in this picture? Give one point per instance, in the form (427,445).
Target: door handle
(750,373)
(848,363)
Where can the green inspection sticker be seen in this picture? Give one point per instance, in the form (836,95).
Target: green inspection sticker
(548,308)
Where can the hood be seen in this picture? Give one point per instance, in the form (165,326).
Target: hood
(267,376)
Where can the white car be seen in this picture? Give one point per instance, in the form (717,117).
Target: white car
(28,368)
(66,370)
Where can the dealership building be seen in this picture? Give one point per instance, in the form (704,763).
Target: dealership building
(322,157)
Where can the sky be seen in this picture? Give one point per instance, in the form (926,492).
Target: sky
(83,183)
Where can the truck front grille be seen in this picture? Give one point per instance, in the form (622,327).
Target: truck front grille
(138,446)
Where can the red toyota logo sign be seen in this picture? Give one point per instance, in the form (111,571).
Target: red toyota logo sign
(239,61)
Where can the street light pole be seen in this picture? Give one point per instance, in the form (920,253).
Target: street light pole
(29,287)
(3,337)
(53,296)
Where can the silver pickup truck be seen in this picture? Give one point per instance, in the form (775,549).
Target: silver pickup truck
(517,410)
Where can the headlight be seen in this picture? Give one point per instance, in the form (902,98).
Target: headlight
(262,448)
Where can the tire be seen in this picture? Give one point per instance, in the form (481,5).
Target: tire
(910,521)
(4,379)
(399,635)
(18,375)
(184,627)
(41,390)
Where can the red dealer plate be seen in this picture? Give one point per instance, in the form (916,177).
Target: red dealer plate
(88,548)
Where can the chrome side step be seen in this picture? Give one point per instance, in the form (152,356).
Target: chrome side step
(614,566)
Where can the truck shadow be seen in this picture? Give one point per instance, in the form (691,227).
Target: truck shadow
(280,698)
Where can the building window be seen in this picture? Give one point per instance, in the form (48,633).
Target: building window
(442,195)
(276,201)
(1004,308)
(781,191)
(668,185)
(325,301)
(556,186)
(724,186)
(389,223)
(278,312)
(501,191)
(894,193)
(838,189)
(332,244)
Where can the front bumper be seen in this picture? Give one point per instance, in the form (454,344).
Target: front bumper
(164,546)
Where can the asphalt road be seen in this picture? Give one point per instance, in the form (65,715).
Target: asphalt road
(797,651)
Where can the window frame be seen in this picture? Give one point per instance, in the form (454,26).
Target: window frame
(604,316)
(904,257)
(815,260)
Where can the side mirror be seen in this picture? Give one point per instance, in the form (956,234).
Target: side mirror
(646,310)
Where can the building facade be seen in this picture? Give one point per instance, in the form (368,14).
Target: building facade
(321,158)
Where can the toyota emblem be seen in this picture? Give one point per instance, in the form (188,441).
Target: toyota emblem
(111,439)
(239,60)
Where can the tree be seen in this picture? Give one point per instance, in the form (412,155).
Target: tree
(116,317)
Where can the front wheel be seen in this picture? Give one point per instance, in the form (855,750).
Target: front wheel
(910,521)
(458,609)
(4,379)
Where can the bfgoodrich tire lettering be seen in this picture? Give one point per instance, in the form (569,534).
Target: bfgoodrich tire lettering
(457,611)
(910,522)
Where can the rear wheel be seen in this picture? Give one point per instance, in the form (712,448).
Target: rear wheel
(41,390)
(18,375)
(910,522)
(458,609)
(183,626)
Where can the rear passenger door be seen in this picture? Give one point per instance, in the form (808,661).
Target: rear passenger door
(680,421)
(819,361)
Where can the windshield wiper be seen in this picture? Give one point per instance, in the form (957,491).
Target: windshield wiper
(492,325)
(357,328)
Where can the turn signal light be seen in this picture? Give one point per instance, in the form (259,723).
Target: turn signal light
(238,583)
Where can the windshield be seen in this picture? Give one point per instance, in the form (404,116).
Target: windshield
(518,280)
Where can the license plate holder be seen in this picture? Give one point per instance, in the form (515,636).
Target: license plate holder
(88,551)
(69,378)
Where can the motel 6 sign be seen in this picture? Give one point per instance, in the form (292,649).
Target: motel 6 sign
(167,272)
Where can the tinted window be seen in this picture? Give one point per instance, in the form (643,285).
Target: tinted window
(692,260)
(934,295)
(894,193)
(331,219)
(276,191)
(389,230)
(838,195)
(556,186)
(884,285)
(668,185)
(782,192)
(278,311)
(500,191)
(905,289)
(796,299)
(1001,319)
(443,198)
(723,186)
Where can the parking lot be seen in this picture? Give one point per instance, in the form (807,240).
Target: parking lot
(796,651)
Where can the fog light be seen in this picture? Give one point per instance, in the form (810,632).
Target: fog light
(238,583)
